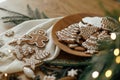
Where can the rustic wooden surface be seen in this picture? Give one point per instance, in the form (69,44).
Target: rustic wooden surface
(56,8)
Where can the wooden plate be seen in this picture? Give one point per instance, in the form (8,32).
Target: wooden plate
(63,23)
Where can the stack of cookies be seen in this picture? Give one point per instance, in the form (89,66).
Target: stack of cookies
(83,36)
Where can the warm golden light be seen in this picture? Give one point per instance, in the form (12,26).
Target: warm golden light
(116,52)
(95,74)
(108,73)
(117,59)
(113,36)
(9,51)
(119,19)
(5,74)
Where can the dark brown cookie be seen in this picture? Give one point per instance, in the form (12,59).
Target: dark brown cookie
(87,31)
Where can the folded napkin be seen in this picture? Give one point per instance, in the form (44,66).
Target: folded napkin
(8,62)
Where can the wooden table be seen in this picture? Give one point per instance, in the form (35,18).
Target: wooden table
(56,8)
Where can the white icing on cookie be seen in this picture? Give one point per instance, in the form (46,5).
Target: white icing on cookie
(95,21)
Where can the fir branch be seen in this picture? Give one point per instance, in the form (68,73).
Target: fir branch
(37,77)
(103,61)
(60,67)
(13,12)
(13,77)
(14,21)
(37,14)
(9,17)
(43,15)
(64,63)
(19,18)
(30,11)
(106,43)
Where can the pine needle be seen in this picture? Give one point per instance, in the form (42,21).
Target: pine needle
(37,14)
(64,62)
(13,12)
(43,15)
(30,11)
(18,18)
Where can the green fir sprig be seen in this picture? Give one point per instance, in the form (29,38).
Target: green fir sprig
(60,67)
(66,62)
(18,18)
(105,60)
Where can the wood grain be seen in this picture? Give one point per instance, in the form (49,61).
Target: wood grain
(55,8)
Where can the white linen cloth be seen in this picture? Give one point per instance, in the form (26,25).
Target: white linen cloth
(8,63)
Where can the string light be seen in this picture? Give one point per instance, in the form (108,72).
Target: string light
(113,36)
(9,51)
(119,19)
(116,52)
(108,73)
(5,74)
(117,59)
(95,74)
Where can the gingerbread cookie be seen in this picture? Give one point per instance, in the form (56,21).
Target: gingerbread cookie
(91,51)
(84,37)
(41,54)
(31,62)
(18,54)
(109,24)
(91,43)
(87,31)
(65,38)
(23,51)
(9,33)
(79,48)
(38,38)
(103,35)
(19,41)
(30,54)
(36,58)
(72,45)
(69,34)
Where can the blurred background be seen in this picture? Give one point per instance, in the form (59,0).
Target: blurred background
(56,8)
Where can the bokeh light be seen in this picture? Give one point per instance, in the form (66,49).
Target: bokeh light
(113,36)
(116,52)
(95,74)
(5,74)
(108,73)
(119,19)
(117,59)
